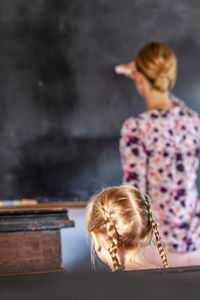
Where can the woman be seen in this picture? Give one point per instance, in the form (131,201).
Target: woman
(121,224)
(159,150)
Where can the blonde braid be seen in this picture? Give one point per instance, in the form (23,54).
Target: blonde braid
(112,238)
(157,235)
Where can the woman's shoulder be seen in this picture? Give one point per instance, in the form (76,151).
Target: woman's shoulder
(184,109)
(129,122)
(133,123)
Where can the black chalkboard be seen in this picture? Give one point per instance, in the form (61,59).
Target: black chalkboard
(62,105)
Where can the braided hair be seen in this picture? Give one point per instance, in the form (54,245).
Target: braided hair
(123,215)
(156,232)
(112,235)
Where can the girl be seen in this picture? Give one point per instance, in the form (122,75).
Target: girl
(159,150)
(121,224)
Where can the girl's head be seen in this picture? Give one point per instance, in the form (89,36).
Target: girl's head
(158,63)
(120,218)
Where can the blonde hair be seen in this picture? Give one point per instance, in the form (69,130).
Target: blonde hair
(158,64)
(124,215)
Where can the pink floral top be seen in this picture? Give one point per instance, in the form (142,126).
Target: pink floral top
(159,151)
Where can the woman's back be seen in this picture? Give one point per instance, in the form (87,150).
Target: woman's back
(160,156)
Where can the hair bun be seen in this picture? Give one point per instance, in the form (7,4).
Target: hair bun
(161,83)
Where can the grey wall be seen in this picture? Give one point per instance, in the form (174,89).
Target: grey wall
(61,105)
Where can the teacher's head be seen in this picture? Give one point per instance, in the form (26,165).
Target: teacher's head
(157,63)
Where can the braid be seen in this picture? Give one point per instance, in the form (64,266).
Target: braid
(112,238)
(157,235)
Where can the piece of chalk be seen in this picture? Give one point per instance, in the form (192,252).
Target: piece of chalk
(8,202)
(122,70)
(16,202)
(29,202)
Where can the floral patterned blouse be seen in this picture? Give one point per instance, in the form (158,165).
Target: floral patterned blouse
(159,151)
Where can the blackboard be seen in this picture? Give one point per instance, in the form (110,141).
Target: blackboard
(62,105)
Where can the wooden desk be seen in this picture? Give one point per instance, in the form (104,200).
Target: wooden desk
(30,240)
